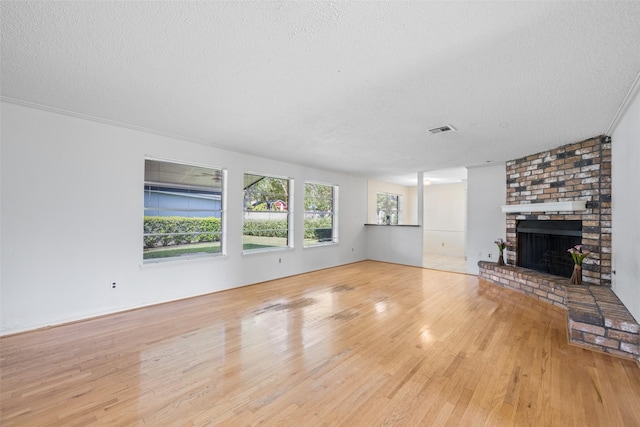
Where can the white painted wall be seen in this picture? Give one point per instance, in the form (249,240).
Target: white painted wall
(411,201)
(408,201)
(71,221)
(487,191)
(445,219)
(400,244)
(397,244)
(625,201)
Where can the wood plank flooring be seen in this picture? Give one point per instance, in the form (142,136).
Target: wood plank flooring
(365,344)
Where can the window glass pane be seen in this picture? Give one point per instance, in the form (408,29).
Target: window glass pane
(182,211)
(266,212)
(319,214)
(387,207)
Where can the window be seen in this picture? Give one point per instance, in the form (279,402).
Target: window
(320,214)
(266,210)
(183,211)
(388,208)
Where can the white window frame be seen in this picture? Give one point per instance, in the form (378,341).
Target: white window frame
(289,216)
(148,184)
(333,213)
(383,221)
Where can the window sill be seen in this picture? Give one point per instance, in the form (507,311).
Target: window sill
(266,250)
(178,261)
(320,245)
(392,225)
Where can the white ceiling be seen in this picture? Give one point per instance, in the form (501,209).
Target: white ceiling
(350,86)
(445,176)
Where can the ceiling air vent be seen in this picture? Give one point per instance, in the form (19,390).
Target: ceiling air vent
(440,129)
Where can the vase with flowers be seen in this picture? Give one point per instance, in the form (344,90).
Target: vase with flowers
(502,244)
(578,253)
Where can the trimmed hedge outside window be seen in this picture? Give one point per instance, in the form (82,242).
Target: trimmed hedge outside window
(266,211)
(320,214)
(182,211)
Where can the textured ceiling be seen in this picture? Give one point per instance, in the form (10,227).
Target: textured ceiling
(351,86)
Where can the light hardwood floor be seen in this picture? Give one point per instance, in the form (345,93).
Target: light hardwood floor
(359,345)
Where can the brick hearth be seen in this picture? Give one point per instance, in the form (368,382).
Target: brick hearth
(541,286)
(596,318)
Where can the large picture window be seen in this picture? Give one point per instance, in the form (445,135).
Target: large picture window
(183,211)
(320,214)
(266,210)
(387,208)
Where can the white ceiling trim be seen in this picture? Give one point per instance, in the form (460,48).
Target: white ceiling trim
(102,120)
(635,88)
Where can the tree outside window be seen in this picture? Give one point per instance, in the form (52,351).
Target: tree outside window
(320,214)
(387,208)
(266,212)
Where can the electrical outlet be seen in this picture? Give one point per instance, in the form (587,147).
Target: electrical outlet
(279,260)
(489,256)
(113,285)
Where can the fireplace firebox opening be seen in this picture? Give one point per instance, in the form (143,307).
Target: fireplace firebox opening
(542,245)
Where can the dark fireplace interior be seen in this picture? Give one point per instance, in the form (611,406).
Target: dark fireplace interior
(542,245)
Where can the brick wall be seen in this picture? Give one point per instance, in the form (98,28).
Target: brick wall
(579,171)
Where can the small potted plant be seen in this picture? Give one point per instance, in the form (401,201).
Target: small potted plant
(502,244)
(578,253)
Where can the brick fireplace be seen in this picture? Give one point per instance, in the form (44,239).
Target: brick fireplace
(574,172)
(577,175)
